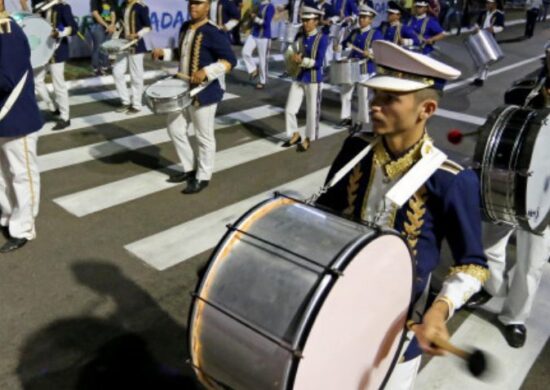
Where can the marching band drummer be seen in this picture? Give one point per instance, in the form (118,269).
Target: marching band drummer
(361,39)
(344,12)
(427,27)
(205,56)
(136,24)
(394,31)
(407,88)
(225,14)
(492,20)
(63,23)
(260,39)
(309,56)
(20,121)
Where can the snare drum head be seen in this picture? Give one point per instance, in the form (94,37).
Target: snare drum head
(537,194)
(355,339)
(167,88)
(38,33)
(114,44)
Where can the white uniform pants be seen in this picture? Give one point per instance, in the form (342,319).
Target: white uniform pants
(202,119)
(61,92)
(262,44)
(346,94)
(482,72)
(19,185)
(296,94)
(135,63)
(404,375)
(519,285)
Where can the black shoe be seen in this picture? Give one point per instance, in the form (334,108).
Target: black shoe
(195,186)
(62,125)
(132,111)
(283,75)
(55,113)
(122,109)
(13,244)
(181,177)
(344,123)
(478,299)
(478,82)
(355,128)
(515,335)
(304,146)
(5,232)
(292,141)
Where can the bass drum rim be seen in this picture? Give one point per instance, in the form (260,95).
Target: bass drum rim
(318,296)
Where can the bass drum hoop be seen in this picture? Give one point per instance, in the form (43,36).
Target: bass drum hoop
(315,303)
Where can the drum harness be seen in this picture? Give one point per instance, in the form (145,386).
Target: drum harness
(14,95)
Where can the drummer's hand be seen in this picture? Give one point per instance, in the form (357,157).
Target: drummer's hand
(55,34)
(157,54)
(198,76)
(131,37)
(110,29)
(297,58)
(433,324)
(491,30)
(367,54)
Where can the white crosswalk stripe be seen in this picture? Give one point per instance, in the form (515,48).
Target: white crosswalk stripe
(112,194)
(165,249)
(104,149)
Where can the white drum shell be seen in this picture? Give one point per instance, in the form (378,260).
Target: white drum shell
(277,292)
(38,33)
(168,95)
(346,71)
(483,48)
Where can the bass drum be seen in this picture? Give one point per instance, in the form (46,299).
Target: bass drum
(514,168)
(297,298)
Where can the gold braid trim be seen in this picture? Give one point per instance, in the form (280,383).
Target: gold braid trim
(415,215)
(4,20)
(353,186)
(196,53)
(477,271)
(394,168)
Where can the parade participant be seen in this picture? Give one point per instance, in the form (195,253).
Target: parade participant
(259,39)
(63,24)
(292,7)
(492,20)
(361,40)
(236,31)
(427,27)
(310,54)
(519,284)
(205,57)
(394,31)
(446,205)
(20,121)
(104,16)
(343,12)
(136,24)
(225,15)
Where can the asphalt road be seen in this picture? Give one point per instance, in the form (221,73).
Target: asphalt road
(85,299)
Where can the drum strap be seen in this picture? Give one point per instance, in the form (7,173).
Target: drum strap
(14,95)
(430,162)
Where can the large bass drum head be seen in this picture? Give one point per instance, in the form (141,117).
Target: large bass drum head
(38,33)
(355,339)
(537,195)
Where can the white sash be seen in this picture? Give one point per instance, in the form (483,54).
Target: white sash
(14,95)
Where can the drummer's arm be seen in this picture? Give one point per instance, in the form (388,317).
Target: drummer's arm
(462,216)
(316,62)
(226,58)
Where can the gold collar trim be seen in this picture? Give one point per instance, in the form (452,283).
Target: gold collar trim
(395,168)
(4,15)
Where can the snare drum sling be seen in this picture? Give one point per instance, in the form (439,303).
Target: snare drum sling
(447,206)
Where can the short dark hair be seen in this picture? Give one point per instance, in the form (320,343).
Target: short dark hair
(428,93)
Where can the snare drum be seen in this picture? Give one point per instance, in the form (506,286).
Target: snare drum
(512,157)
(290,32)
(38,33)
(346,71)
(168,95)
(483,48)
(113,47)
(297,298)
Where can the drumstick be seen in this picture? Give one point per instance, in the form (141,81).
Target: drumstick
(353,47)
(183,76)
(476,360)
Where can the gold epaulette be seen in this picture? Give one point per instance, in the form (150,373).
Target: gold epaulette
(5,23)
(451,167)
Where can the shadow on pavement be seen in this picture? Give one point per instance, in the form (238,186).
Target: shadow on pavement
(136,346)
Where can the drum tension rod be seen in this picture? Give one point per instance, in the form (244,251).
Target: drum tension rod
(274,339)
(332,271)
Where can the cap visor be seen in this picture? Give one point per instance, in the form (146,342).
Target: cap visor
(393,84)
